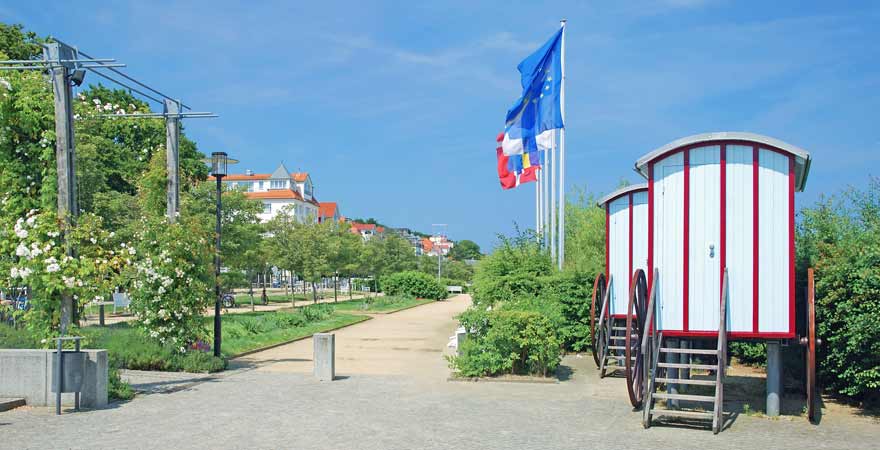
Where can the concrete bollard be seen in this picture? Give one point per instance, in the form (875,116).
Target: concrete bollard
(325,356)
(460,337)
(774,378)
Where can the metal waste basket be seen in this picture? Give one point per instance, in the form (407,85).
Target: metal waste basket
(68,371)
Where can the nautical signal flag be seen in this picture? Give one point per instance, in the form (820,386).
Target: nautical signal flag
(516,169)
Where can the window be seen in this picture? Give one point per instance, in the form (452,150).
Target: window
(247,185)
(278,184)
(267,208)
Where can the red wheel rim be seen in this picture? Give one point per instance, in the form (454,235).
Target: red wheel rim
(598,294)
(634,330)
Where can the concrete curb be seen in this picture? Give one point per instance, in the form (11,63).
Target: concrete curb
(528,380)
(10,403)
(355,311)
(363,318)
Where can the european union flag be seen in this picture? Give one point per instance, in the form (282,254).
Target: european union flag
(538,109)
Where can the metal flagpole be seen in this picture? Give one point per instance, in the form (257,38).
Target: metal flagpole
(562,155)
(553,198)
(538,206)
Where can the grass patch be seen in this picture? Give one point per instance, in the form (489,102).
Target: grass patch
(380,304)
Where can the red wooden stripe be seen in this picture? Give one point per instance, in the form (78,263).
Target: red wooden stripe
(731,334)
(755,239)
(791,250)
(629,274)
(650,226)
(685,255)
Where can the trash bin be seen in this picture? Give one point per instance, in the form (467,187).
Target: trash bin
(68,371)
(72,370)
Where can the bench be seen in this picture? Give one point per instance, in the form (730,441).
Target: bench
(454,289)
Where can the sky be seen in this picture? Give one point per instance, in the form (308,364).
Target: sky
(393,107)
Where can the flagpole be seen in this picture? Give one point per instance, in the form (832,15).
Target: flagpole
(553,198)
(538,206)
(562,155)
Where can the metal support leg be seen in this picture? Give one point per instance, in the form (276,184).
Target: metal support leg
(673,373)
(685,358)
(774,378)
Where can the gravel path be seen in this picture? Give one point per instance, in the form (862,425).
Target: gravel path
(392,394)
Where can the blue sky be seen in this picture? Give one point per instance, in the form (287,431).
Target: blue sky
(393,108)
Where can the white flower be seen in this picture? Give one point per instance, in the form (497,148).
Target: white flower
(22,250)
(21,233)
(24,272)
(131,251)
(68,281)
(14,273)
(54,267)
(96,102)
(6,84)
(53,234)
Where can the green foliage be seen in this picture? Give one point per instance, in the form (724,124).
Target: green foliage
(465,249)
(412,283)
(840,237)
(318,312)
(584,233)
(15,43)
(508,341)
(116,388)
(510,269)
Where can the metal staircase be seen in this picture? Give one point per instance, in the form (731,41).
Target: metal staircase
(662,378)
(613,359)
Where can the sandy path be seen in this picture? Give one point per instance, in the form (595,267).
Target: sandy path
(410,342)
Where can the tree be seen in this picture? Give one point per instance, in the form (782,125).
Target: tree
(302,248)
(465,249)
(18,44)
(345,248)
(584,234)
(397,255)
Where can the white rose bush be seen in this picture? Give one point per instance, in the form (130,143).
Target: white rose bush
(38,261)
(170,282)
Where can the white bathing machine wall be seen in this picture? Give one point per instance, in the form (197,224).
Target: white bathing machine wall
(626,240)
(724,200)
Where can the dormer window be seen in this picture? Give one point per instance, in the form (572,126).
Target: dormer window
(277,184)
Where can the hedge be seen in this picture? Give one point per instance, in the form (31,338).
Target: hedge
(413,284)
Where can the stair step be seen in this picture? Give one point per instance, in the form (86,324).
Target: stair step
(7,403)
(617,347)
(619,357)
(685,381)
(680,413)
(622,338)
(690,397)
(689,351)
(687,366)
(619,328)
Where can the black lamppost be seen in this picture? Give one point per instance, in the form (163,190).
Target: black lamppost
(219,163)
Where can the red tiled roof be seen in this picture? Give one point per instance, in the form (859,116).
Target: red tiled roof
(275,194)
(299,177)
(427,245)
(327,209)
(362,226)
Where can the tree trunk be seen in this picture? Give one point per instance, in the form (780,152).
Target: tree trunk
(350,297)
(314,292)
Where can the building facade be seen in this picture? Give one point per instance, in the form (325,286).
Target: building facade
(277,191)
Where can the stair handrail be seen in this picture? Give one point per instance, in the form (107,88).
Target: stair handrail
(605,299)
(648,329)
(722,357)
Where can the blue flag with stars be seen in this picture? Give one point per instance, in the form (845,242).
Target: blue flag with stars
(538,110)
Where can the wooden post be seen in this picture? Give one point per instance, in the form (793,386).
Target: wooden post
(65,153)
(172,158)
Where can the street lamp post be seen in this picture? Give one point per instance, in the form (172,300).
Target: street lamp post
(219,163)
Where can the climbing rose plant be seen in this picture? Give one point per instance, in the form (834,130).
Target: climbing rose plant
(39,262)
(171,281)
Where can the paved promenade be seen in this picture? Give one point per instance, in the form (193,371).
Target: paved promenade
(392,394)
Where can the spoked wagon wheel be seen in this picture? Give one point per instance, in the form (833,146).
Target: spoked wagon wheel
(813,407)
(597,341)
(635,328)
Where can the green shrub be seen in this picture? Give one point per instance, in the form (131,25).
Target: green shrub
(116,388)
(413,284)
(508,341)
(840,237)
(572,291)
(317,312)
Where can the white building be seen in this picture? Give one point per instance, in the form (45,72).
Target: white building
(278,190)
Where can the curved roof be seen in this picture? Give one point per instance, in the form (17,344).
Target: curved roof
(802,157)
(622,191)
